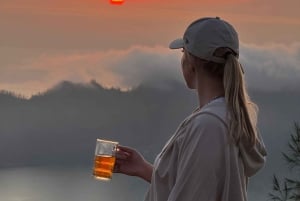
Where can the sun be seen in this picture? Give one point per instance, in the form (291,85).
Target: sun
(116,2)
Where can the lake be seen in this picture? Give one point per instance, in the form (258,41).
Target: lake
(66,184)
(75,184)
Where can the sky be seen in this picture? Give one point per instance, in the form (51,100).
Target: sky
(45,42)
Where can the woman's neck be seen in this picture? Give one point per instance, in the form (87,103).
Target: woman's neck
(208,91)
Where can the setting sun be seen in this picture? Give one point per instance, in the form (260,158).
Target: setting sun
(117,2)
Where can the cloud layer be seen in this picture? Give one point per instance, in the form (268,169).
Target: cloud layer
(273,67)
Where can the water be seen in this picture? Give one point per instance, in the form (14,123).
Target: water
(65,184)
(78,184)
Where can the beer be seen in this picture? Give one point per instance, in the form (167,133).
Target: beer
(103,166)
(105,159)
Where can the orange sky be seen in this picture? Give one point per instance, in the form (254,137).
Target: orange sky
(33,28)
(97,24)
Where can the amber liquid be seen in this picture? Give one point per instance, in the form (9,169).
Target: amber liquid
(103,167)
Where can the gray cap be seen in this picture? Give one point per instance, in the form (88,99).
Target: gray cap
(205,35)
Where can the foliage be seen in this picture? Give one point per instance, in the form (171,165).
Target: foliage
(289,189)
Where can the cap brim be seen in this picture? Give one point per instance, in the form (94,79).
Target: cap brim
(177,44)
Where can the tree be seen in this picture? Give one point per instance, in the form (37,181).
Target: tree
(289,189)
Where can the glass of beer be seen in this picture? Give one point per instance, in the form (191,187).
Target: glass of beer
(104,159)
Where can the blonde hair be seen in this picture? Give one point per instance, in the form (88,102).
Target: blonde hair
(242,111)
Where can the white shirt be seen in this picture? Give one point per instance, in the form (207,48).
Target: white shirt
(199,162)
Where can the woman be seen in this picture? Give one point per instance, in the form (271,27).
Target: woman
(217,148)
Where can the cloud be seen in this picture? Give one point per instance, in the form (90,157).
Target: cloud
(116,68)
(273,67)
(146,65)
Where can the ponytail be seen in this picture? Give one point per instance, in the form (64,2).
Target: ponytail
(242,111)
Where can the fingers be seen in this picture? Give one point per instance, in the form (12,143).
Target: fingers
(118,167)
(123,159)
(124,152)
(126,149)
(122,155)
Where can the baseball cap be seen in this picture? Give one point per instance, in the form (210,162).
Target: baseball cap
(205,35)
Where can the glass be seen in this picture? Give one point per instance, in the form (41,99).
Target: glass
(105,158)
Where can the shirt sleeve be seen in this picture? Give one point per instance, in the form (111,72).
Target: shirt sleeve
(201,160)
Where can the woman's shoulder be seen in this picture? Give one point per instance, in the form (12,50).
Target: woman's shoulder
(213,114)
(203,127)
(203,124)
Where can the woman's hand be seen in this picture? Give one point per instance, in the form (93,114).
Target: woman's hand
(132,163)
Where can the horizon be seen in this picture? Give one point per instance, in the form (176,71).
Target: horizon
(94,84)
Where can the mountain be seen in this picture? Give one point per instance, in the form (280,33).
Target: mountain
(61,125)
